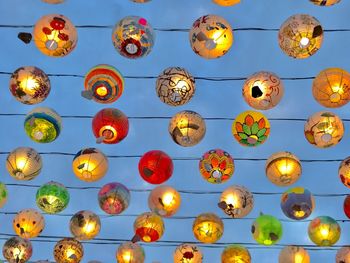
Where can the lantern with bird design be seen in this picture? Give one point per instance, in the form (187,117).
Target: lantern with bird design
(52,197)
(164,201)
(208,228)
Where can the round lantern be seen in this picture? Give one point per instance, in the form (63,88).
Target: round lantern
(24,163)
(3,194)
(113,198)
(236,201)
(148,227)
(251,128)
(188,253)
(263,90)
(133,37)
(226,2)
(68,250)
(85,225)
(90,164)
(324,231)
(343,255)
(43,125)
(187,128)
(297,203)
(175,86)
(344,171)
(211,36)
(55,35)
(129,252)
(52,198)
(53,1)
(267,230)
(28,223)
(30,85)
(325,3)
(156,167)
(141,1)
(17,250)
(235,254)
(208,228)
(293,254)
(346,206)
(164,201)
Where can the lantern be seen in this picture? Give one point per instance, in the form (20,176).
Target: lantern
(187,128)
(129,252)
(293,254)
(24,163)
(53,1)
(235,254)
(90,164)
(216,166)
(30,85)
(236,201)
(164,201)
(251,128)
(28,223)
(325,3)
(85,225)
(133,37)
(52,198)
(346,206)
(267,230)
(343,255)
(68,250)
(156,167)
(141,1)
(324,231)
(188,253)
(226,2)
(211,36)
(3,194)
(43,125)
(263,90)
(148,227)
(208,228)
(113,198)
(344,171)
(297,203)
(17,250)
(300,36)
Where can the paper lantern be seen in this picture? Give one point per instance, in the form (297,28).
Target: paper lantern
(343,255)
(85,225)
(344,172)
(297,203)
(188,253)
(55,35)
(226,2)
(52,198)
(187,128)
(251,128)
(90,164)
(324,231)
(263,90)
(17,250)
(325,3)
(211,36)
(148,227)
(156,167)
(175,86)
(28,223)
(140,1)
(43,125)
(267,230)
(293,254)
(164,201)
(113,198)
(300,36)
(235,254)
(68,250)
(208,228)
(346,206)
(129,252)
(324,129)
(133,37)
(53,1)
(3,194)
(24,163)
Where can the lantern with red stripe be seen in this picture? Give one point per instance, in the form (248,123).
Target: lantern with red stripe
(347,206)
(149,227)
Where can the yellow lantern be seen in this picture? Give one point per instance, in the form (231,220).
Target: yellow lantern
(188,253)
(68,250)
(164,201)
(226,2)
(17,250)
(325,3)
(53,1)
(208,228)
(293,254)
(324,231)
(129,252)
(235,254)
(85,225)
(149,227)
(28,223)
(343,255)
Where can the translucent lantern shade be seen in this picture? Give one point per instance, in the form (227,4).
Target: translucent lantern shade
(300,36)
(325,3)
(189,253)
(129,252)
(187,128)
(346,206)
(85,225)
(52,198)
(235,254)
(28,223)
(53,1)
(149,227)
(208,228)
(226,2)
(17,250)
(164,201)
(3,194)
(293,254)
(133,37)
(211,36)
(297,203)
(267,230)
(344,172)
(68,250)
(324,231)
(114,198)
(343,255)
(55,35)
(175,86)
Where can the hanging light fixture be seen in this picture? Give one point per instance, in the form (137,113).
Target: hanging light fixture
(188,253)
(293,254)
(235,254)
(17,250)
(28,223)
(68,250)
(343,255)
(53,1)
(208,228)
(226,2)
(148,227)
(344,172)
(164,201)
(297,203)
(3,194)
(114,198)
(52,197)
(325,3)
(85,225)
(267,230)
(129,252)
(324,231)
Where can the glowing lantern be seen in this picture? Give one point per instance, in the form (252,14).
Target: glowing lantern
(53,1)
(235,254)
(24,163)
(52,197)
(343,255)
(300,36)
(211,36)
(90,164)
(346,206)
(187,128)
(43,125)
(208,228)
(324,231)
(344,171)
(251,128)
(68,250)
(140,1)
(28,223)
(297,203)
(149,227)
(129,252)
(267,230)
(164,201)
(325,3)
(188,253)
(226,2)
(293,254)
(175,86)
(3,194)
(17,250)
(113,198)
(85,225)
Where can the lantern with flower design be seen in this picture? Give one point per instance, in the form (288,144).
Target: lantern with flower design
(226,2)
(344,172)
(3,194)
(188,253)
(129,252)
(148,227)
(343,255)
(113,198)
(68,250)
(297,203)
(293,254)
(28,223)
(267,230)
(208,228)
(85,225)
(164,201)
(324,231)
(17,250)
(235,254)
(52,197)
(325,2)
(53,1)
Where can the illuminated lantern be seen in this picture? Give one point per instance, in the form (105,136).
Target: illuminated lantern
(43,125)
(140,1)
(324,231)
(164,201)
(3,194)
(129,252)
(28,223)
(343,255)
(53,1)
(297,203)
(156,167)
(251,128)
(344,171)
(187,128)
(346,206)
(24,163)
(267,230)
(133,37)
(235,254)
(211,36)
(263,90)
(68,250)
(226,2)
(52,198)
(114,198)
(90,164)
(300,36)
(17,250)
(188,253)
(208,228)
(175,86)
(148,227)
(325,3)
(85,225)
(293,254)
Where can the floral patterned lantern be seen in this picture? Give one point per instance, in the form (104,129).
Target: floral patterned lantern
(226,2)
(324,231)
(188,253)
(293,254)
(114,198)
(68,250)
(211,36)
(346,206)
(52,198)
(28,223)
(325,3)
(267,230)
(17,250)
(208,228)
(148,227)
(53,1)
(235,254)
(343,255)
(129,252)
(297,203)
(85,225)
(344,172)
(164,201)
(3,194)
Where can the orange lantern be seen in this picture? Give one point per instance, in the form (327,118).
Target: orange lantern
(149,227)
(226,2)
(28,223)
(164,201)
(53,1)
(17,250)
(294,254)
(208,228)
(85,225)
(68,250)
(235,254)
(129,252)
(344,172)
(325,3)
(343,255)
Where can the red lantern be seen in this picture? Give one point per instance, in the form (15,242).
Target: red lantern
(155,167)
(347,206)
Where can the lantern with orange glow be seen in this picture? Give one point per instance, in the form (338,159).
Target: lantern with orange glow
(297,203)
(129,252)
(52,197)
(113,198)
(28,223)
(188,253)
(343,255)
(148,227)
(324,231)
(53,1)
(267,230)
(3,194)
(141,1)
(344,172)
(164,201)
(226,2)
(346,206)
(293,254)
(68,250)
(85,225)
(325,3)
(208,228)
(235,254)
(17,250)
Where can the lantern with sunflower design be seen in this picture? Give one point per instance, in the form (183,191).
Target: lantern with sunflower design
(17,250)
(28,223)
(208,228)
(85,225)
(164,201)
(188,253)
(113,198)
(293,254)
(3,194)
(53,1)
(68,250)
(226,2)
(129,252)
(325,3)
(52,197)
(297,203)
(346,206)
(324,231)
(235,254)
(267,230)
(344,172)
(148,227)
(343,255)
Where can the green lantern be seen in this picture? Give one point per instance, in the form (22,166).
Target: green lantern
(3,194)
(52,197)
(267,230)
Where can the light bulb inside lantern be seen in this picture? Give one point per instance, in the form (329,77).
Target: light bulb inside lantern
(70,252)
(21,163)
(29,84)
(324,232)
(16,252)
(298,258)
(89,227)
(51,199)
(101,91)
(231,199)
(285,167)
(304,42)
(168,199)
(127,256)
